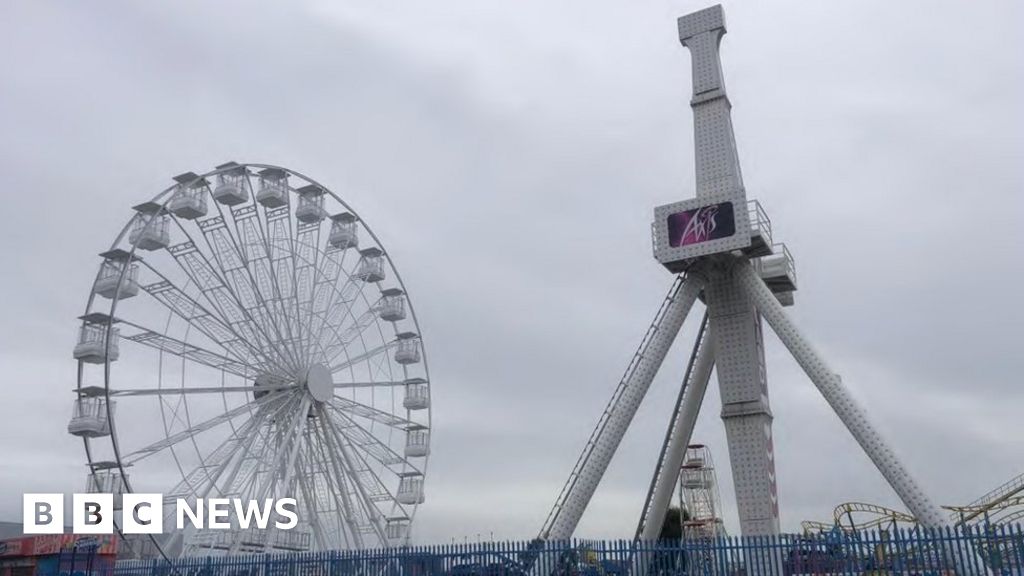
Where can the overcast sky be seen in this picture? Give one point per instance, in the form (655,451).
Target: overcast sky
(509,155)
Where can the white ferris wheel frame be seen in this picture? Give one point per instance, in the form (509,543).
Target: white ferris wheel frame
(328,411)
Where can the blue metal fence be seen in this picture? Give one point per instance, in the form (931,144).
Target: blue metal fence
(997,550)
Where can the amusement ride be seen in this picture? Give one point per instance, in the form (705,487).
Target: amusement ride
(723,252)
(248,336)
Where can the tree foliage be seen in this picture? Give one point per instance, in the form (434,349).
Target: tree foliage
(672,526)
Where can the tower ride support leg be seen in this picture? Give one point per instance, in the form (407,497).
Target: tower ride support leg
(617,417)
(679,438)
(855,418)
(743,385)
(666,477)
(845,406)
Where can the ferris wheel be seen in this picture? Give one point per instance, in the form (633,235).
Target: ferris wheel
(257,342)
(699,496)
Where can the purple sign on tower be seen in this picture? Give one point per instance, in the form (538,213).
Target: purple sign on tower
(701,224)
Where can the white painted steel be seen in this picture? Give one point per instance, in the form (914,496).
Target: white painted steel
(619,414)
(746,414)
(739,347)
(264,356)
(665,477)
(682,431)
(853,416)
(319,383)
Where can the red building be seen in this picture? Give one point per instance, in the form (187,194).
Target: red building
(58,554)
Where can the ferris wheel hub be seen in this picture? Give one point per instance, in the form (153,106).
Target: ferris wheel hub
(319,382)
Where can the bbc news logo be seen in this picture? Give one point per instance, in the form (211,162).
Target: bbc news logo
(144,513)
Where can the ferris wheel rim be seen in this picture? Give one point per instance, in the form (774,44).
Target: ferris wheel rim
(166,195)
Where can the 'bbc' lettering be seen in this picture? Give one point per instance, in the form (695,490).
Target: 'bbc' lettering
(144,513)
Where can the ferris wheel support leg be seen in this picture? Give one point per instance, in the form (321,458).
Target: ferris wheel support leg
(619,414)
(288,440)
(309,500)
(347,459)
(345,506)
(248,436)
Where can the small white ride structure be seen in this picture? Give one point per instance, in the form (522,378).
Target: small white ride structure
(698,495)
(721,248)
(259,353)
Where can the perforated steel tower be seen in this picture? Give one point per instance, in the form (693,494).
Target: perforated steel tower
(720,246)
(738,342)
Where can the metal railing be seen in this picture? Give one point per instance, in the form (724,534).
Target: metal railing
(760,224)
(780,263)
(916,551)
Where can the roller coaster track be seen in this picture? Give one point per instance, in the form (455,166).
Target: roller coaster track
(994,512)
(881,514)
(1001,505)
(996,498)
(878,516)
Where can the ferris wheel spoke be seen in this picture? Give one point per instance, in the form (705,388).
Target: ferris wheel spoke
(332,336)
(245,479)
(278,235)
(335,335)
(337,342)
(238,276)
(248,470)
(306,256)
(221,458)
(368,355)
(206,322)
(187,351)
(324,292)
(257,252)
(361,438)
(252,436)
(318,308)
(331,305)
(250,427)
(199,390)
(257,435)
(368,487)
(300,439)
(327,298)
(203,426)
(296,280)
(347,406)
(371,384)
(232,311)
